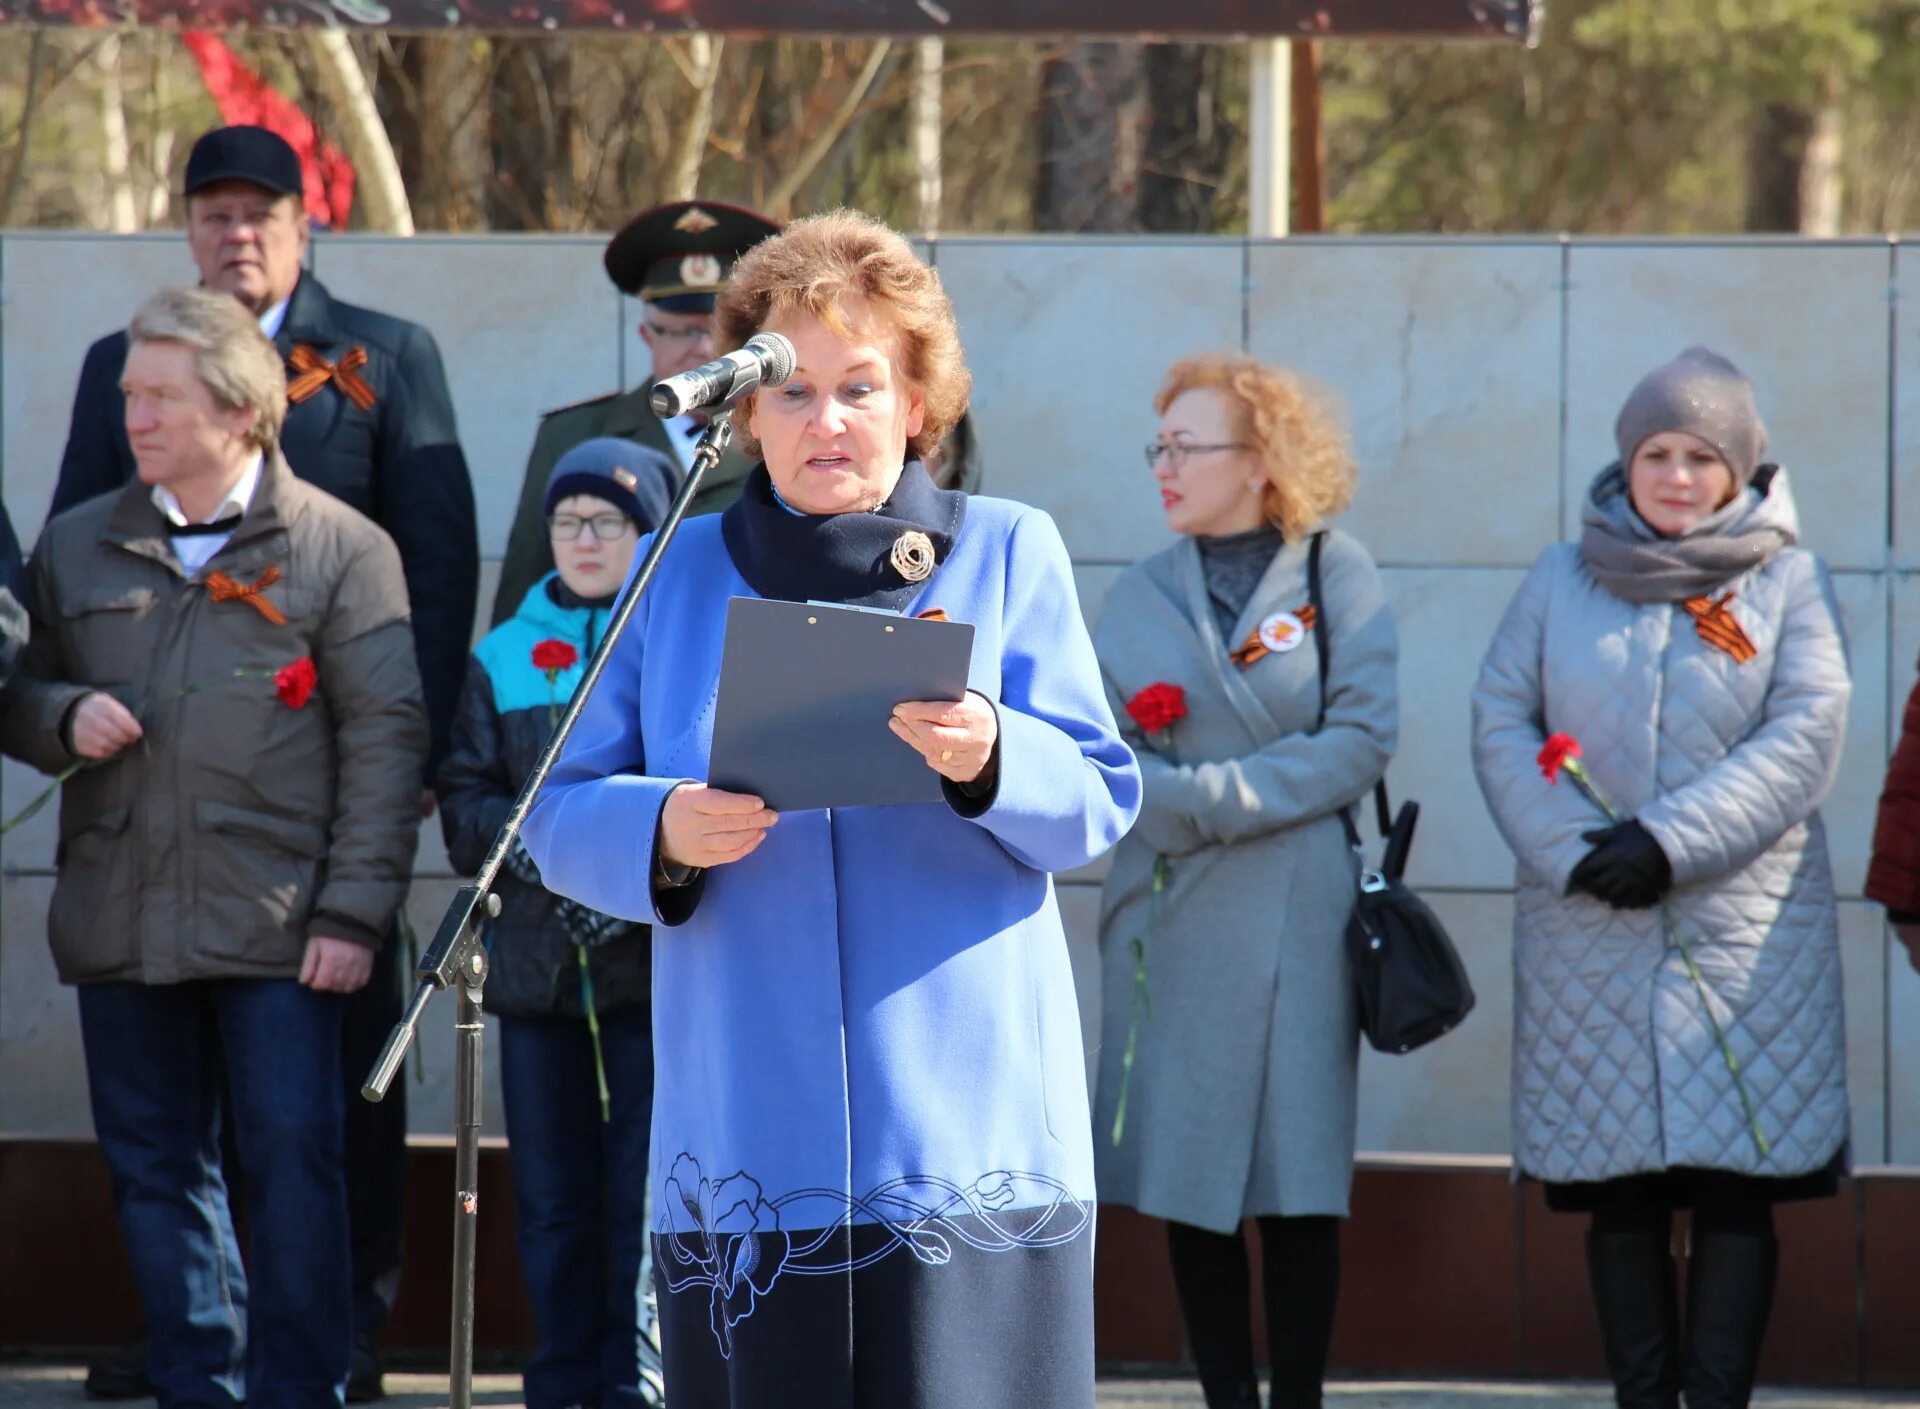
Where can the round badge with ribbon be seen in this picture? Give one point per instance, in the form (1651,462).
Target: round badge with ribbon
(1282,632)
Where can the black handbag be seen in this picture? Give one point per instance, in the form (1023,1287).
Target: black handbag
(1411,984)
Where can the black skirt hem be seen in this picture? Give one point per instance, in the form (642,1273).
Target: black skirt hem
(1684,1186)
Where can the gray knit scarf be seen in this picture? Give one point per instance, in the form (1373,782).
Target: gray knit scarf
(1636,564)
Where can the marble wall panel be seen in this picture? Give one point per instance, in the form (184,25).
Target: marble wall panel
(1865,961)
(1850,808)
(1809,324)
(1446,360)
(1446,617)
(1068,341)
(63,291)
(524,325)
(1451,1097)
(1905,528)
(43,1071)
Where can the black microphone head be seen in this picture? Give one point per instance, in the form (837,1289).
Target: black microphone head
(779,354)
(665,404)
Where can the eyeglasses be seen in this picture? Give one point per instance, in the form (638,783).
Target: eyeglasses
(678,334)
(604,528)
(1179,451)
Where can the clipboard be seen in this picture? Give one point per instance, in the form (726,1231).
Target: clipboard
(806,690)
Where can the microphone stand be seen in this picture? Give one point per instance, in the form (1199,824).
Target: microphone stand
(457,958)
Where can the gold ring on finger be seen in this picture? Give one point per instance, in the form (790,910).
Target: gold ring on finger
(946,755)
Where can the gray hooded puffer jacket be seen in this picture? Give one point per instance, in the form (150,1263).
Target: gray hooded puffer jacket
(1616,1069)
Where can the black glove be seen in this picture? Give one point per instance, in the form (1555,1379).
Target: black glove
(1626,868)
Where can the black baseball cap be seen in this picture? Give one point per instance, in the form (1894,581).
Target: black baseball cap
(251,154)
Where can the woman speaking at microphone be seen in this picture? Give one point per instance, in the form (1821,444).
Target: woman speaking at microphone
(872,1171)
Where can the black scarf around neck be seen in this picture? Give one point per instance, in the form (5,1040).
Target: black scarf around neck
(844,558)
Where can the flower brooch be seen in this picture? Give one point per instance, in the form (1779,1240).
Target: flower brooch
(912,556)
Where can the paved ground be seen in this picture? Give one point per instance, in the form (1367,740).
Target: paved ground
(40,1386)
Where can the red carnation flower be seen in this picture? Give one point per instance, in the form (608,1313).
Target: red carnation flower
(294,683)
(1158,707)
(1553,758)
(554,656)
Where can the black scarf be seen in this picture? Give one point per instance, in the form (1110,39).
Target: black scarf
(844,558)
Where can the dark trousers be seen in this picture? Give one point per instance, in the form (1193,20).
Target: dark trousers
(376,1143)
(1300,1265)
(278,1334)
(580,1185)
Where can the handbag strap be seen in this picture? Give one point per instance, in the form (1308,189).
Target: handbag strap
(1323,639)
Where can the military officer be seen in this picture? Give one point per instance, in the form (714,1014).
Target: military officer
(674,258)
(371,422)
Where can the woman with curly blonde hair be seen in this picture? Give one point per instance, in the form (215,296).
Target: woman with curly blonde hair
(1230,1047)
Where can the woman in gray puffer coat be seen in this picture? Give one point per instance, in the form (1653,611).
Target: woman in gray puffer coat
(1697,657)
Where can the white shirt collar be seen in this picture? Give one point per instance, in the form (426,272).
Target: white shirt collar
(237,501)
(274,318)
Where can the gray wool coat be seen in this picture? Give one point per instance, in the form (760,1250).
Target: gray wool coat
(1242,1098)
(1616,1069)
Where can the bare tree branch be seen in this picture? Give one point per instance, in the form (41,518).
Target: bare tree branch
(781,197)
(23,130)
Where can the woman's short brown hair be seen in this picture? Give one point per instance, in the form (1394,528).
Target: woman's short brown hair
(1290,426)
(816,265)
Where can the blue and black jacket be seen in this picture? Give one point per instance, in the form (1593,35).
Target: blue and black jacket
(506,712)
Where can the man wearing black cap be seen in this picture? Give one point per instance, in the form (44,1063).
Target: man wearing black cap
(674,258)
(371,422)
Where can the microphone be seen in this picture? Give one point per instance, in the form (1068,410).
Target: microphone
(766,360)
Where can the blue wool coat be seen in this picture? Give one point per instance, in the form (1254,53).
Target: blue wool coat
(867,1041)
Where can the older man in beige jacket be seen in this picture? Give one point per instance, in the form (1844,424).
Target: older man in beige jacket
(221,662)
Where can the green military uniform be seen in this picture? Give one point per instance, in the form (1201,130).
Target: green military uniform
(626,415)
(675,257)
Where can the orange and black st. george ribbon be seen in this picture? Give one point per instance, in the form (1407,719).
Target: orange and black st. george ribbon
(312,371)
(1254,649)
(222,588)
(1719,628)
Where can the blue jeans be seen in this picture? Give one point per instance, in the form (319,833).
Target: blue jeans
(580,1186)
(279,1337)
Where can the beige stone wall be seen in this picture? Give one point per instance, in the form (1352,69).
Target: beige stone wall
(1481,378)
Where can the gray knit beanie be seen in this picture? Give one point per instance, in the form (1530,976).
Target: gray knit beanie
(1702,393)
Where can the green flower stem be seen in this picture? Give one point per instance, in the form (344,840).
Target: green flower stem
(1141,1007)
(1670,924)
(593,1028)
(1577,771)
(1142,996)
(45,795)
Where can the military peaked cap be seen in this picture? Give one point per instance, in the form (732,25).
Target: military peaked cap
(678,255)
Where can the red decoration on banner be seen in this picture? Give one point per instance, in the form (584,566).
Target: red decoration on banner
(243,96)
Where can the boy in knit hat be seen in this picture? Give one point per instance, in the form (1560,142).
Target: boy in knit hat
(571,986)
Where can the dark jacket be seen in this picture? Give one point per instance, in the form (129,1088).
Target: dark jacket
(399,463)
(1893,878)
(13,596)
(242,823)
(507,710)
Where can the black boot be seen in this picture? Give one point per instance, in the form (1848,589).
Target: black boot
(120,1374)
(1729,1298)
(1633,1293)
